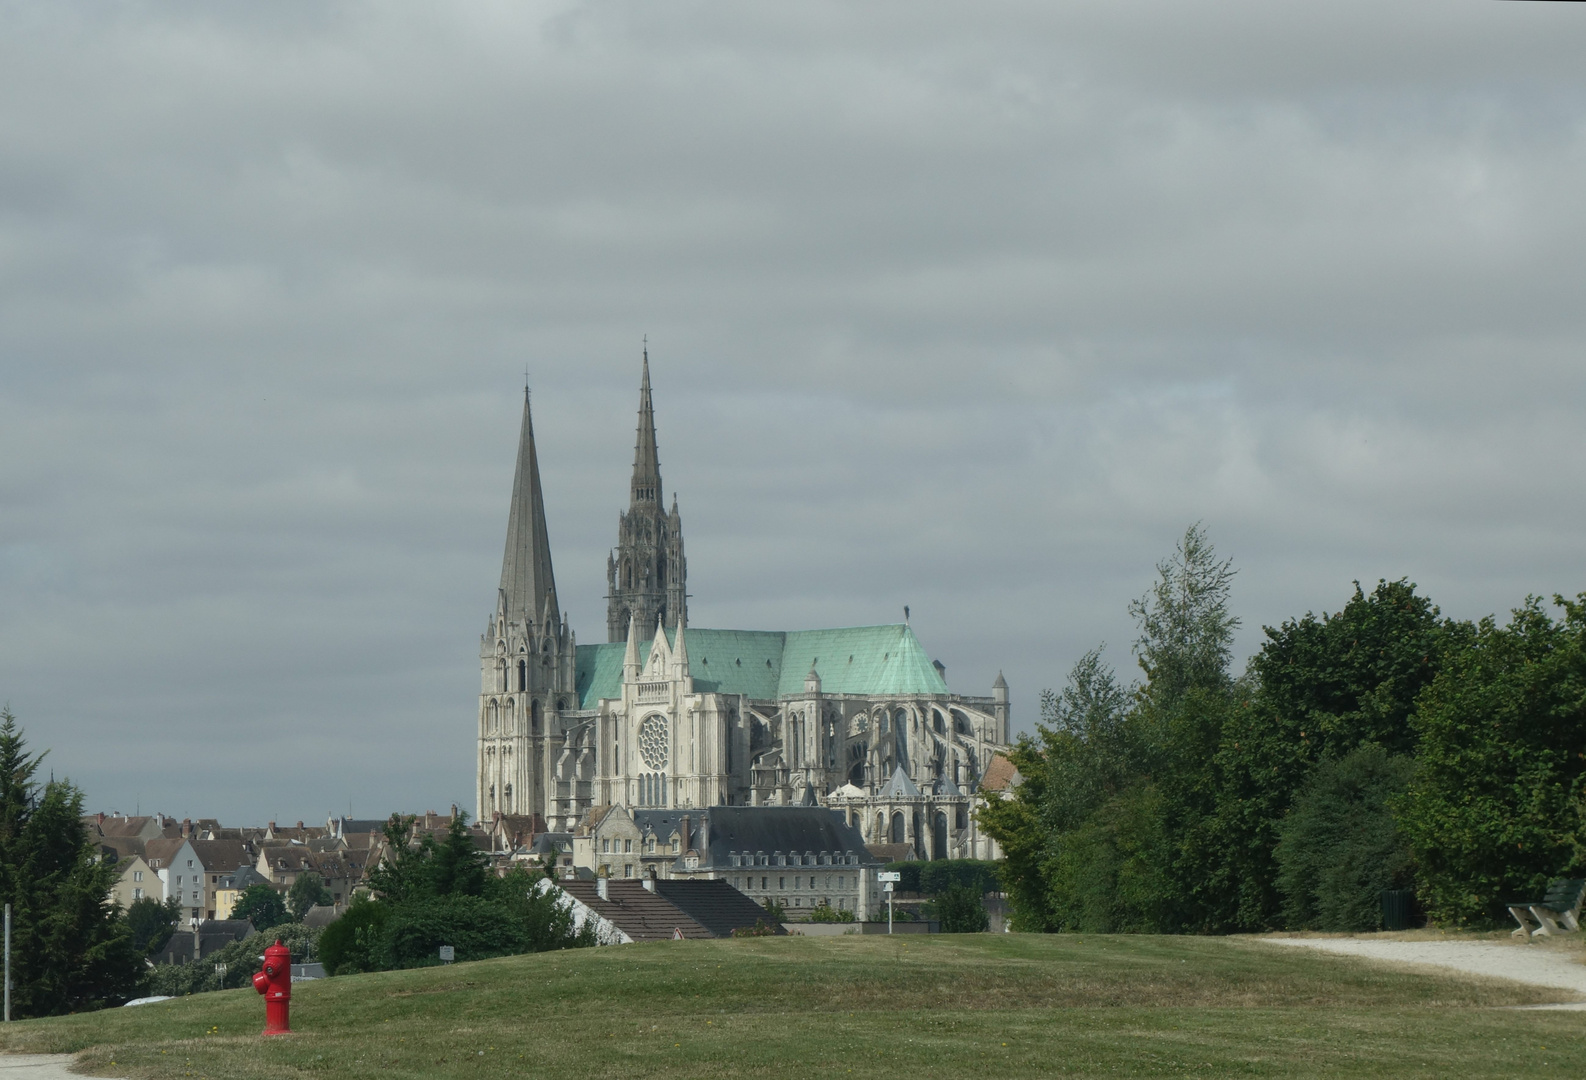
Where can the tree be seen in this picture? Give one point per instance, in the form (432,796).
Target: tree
(1340,847)
(1186,629)
(72,949)
(152,923)
(457,867)
(309,889)
(1493,808)
(1319,689)
(262,906)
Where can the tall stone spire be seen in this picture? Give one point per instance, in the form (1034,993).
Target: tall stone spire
(646,486)
(646,573)
(527,585)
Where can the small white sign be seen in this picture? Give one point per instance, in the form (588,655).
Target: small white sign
(448,954)
(889,875)
(888,886)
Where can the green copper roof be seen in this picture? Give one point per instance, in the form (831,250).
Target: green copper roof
(766,664)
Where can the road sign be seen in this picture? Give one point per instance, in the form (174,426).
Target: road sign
(889,875)
(888,886)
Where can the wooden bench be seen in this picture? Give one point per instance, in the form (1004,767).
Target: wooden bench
(1556,913)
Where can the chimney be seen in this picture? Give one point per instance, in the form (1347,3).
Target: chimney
(704,834)
(101,819)
(686,833)
(299,824)
(600,887)
(187,827)
(454,811)
(649,880)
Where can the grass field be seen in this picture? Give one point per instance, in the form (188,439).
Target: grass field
(969,1006)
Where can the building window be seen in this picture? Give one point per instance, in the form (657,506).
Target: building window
(781,882)
(137,875)
(605,847)
(798,882)
(189,864)
(627,869)
(840,882)
(763,884)
(137,894)
(798,901)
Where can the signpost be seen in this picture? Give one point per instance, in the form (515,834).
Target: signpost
(448,954)
(889,881)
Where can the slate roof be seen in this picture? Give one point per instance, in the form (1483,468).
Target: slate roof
(635,910)
(770,829)
(899,786)
(715,905)
(765,665)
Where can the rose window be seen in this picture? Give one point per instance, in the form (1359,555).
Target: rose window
(653,744)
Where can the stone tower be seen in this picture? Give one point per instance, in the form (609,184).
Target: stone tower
(527,656)
(646,575)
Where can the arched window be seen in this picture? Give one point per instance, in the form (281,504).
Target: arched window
(897,827)
(941,729)
(534,717)
(881,829)
(963,818)
(523,675)
(939,836)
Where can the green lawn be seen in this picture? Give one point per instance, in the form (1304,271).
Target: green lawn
(971,1006)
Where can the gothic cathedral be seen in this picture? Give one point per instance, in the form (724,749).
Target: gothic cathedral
(663,714)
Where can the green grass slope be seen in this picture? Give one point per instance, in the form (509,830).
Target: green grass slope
(976,1006)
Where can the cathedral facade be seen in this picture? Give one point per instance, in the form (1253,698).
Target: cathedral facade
(665,715)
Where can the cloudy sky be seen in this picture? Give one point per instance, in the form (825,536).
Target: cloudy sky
(972,307)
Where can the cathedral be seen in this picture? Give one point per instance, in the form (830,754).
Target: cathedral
(664,715)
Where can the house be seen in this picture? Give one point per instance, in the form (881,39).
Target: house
(190,870)
(800,856)
(201,940)
(135,881)
(230,887)
(341,870)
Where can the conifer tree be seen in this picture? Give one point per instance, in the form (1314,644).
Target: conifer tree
(71,948)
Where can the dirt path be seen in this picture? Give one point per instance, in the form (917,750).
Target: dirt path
(37,1067)
(1537,964)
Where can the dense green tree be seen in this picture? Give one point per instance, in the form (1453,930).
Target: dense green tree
(1340,847)
(309,889)
(1493,807)
(458,867)
(71,946)
(262,906)
(152,923)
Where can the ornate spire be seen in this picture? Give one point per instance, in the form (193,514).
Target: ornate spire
(646,486)
(527,585)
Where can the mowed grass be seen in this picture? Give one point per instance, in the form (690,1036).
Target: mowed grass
(975,1006)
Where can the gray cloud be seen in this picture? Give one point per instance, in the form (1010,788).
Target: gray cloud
(969,307)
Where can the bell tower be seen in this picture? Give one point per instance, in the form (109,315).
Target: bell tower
(646,574)
(527,657)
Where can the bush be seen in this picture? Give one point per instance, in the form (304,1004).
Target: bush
(961,910)
(1339,847)
(759,929)
(356,941)
(939,876)
(774,911)
(825,913)
(240,958)
(516,915)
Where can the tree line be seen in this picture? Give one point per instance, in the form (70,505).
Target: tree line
(1383,746)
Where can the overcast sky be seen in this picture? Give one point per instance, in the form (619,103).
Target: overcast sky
(971,307)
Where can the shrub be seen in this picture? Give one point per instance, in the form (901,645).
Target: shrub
(774,911)
(961,910)
(936,877)
(355,942)
(759,929)
(262,906)
(825,913)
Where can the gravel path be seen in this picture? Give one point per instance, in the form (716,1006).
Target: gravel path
(1532,964)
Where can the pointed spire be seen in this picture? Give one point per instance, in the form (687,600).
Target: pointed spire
(527,584)
(680,651)
(630,656)
(646,485)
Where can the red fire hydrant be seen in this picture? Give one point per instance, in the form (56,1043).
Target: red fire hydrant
(275,983)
